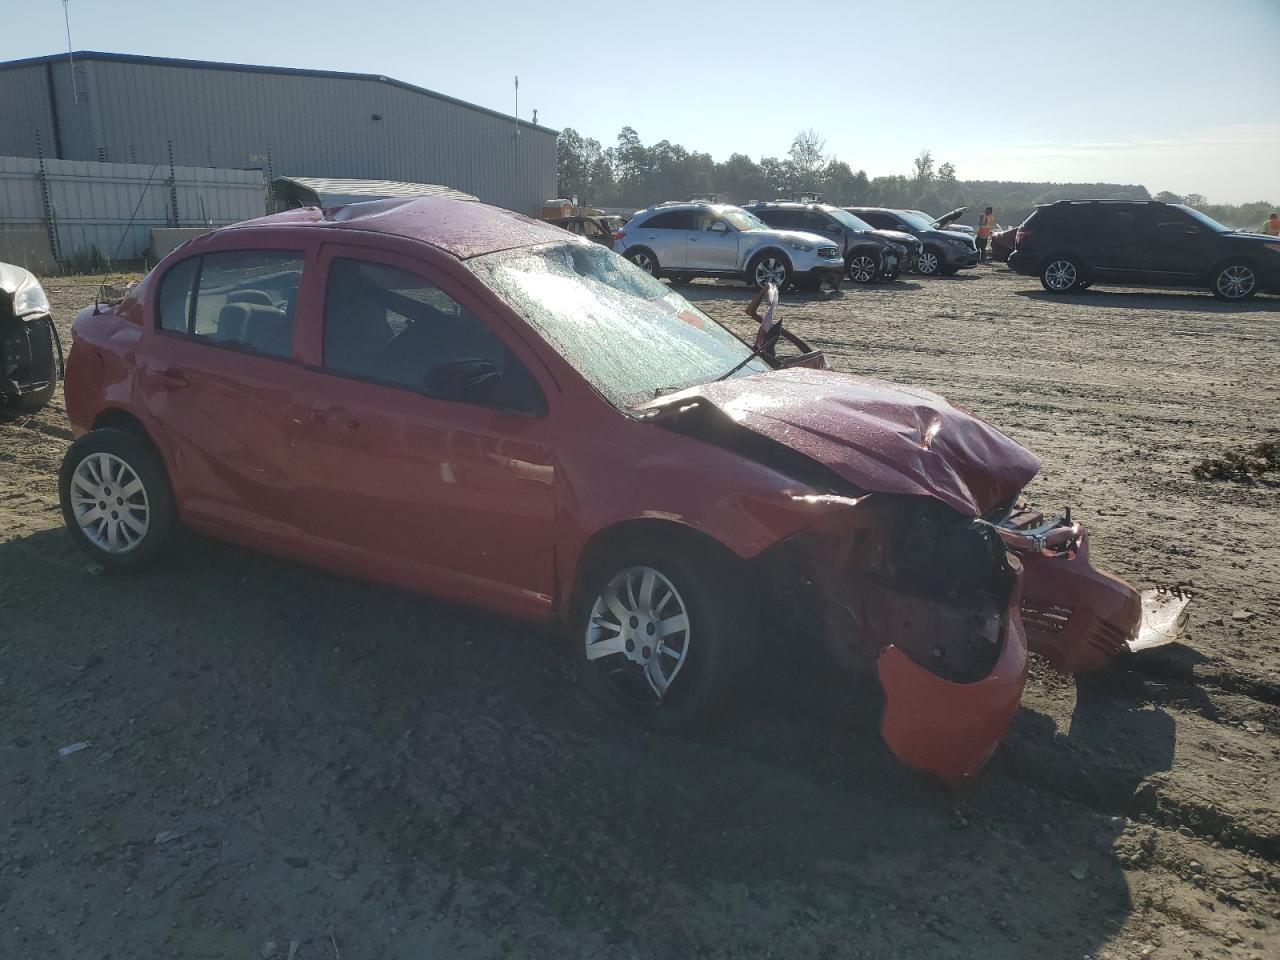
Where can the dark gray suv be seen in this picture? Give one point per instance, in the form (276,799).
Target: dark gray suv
(945,251)
(868,256)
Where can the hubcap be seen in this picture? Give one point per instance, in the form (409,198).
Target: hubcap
(1236,282)
(928,262)
(109,502)
(1060,275)
(771,270)
(638,633)
(862,269)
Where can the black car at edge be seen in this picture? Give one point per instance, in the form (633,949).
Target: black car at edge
(1072,244)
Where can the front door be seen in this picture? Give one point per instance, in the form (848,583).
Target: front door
(422,438)
(219,374)
(1176,249)
(712,244)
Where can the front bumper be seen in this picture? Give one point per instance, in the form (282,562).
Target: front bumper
(946,728)
(29,356)
(1077,617)
(962,260)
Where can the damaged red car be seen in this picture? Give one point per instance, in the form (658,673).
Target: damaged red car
(451,398)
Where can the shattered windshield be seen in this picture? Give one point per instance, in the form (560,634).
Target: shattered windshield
(628,333)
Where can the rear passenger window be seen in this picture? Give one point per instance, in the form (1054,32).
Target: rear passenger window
(247,298)
(671,220)
(241,298)
(176,295)
(387,325)
(1118,222)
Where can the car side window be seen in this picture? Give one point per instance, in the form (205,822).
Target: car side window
(1118,223)
(783,219)
(881,221)
(815,222)
(704,220)
(177,294)
(670,220)
(241,298)
(390,326)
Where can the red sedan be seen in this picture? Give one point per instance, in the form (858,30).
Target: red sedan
(451,398)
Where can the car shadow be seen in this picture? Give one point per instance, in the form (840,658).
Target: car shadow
(339,746)
(1188,302)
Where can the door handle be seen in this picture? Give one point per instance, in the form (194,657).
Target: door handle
(171,379)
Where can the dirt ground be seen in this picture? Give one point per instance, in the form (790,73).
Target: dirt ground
(277,755)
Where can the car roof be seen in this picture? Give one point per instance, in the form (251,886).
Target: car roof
(462,228)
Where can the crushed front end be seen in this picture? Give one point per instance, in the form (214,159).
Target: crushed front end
(927,600)
(1077,617)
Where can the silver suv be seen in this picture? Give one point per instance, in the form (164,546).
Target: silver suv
(687,240)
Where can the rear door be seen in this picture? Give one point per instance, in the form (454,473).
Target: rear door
(712,244)
(219,375)
(1110,244)
(666,233)
(422,437)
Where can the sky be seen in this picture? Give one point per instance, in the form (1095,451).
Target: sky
(1180,95)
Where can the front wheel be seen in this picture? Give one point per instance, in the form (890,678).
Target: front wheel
(662,635)
(1060,274)
(863,268)
(769,267)
(115,499)
(930,262)
(1234,282)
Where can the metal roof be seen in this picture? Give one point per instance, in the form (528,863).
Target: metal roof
(257,68)
(328,192)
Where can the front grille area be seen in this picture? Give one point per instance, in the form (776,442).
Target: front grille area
(1045,617)
(829,253)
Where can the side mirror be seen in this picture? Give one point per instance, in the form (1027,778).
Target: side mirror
(719,227)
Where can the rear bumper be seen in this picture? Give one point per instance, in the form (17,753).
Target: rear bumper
(1020,262)
(946,728)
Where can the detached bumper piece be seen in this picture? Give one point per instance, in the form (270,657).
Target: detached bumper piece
(1077,617)
(30,356)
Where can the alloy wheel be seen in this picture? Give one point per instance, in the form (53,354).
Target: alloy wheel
(770,270)
(862,269)
(1061,275)
(1236,282)
(928,263)
(638,633)
(110,503)
(643,261)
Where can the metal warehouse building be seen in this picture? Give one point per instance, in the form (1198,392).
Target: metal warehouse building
(312,123)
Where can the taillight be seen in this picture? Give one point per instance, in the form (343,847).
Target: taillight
(617,235)
(1021,235)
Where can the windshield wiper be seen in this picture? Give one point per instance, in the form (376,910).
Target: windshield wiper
(750,356)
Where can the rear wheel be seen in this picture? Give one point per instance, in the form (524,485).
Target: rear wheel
(769,267)
(645,260)
(1060,274)
(863,268)
(662,634)
(116,500)
(929,263)
(1234,282)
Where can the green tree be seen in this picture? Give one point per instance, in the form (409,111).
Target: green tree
(806,158)
(947,173)
(739,179)
(571,163)
(1166,196)
(923,166)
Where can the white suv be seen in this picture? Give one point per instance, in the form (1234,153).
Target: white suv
(687,240)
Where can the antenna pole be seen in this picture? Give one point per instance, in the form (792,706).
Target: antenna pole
(71,60)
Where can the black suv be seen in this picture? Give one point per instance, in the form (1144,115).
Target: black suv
(868,255)
(1073,243)
(945,251)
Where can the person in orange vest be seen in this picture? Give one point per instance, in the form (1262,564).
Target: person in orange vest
(986,224)
(1272,227)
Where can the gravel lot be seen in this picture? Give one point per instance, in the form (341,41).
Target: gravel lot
(277,755)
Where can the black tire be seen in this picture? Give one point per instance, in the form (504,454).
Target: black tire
(773,261)
(1061,273)
(863,266)
(681,280)
(29,402)
(645,259)
(718,645)
(930,262)
(141,458)
(1234,281)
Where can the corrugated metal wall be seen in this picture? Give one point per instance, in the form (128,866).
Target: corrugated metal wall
(92,202)
(311,126)
(24,109)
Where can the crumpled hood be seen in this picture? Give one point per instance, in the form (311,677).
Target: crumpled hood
(881,437)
